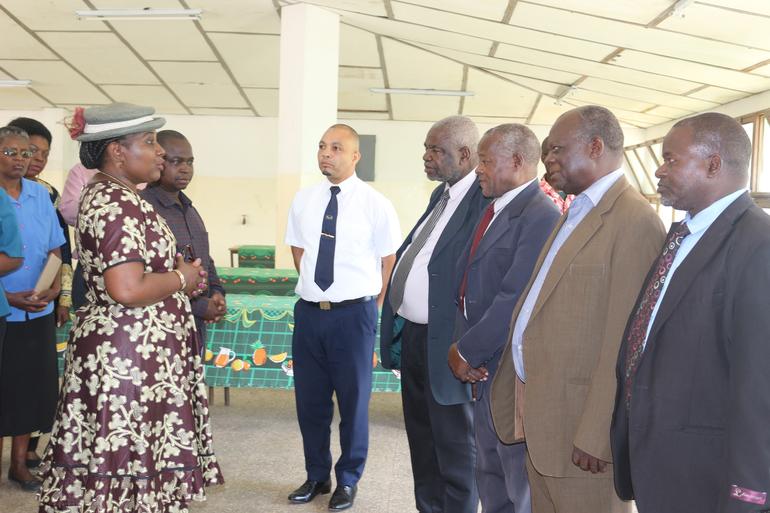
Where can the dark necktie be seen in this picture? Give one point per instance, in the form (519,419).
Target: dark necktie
(652,289)
(324,265)
(489,213)
(398,284)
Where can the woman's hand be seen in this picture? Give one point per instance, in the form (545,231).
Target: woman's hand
(196,278)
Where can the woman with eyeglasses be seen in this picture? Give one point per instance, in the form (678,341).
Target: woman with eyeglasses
(28,370)
(40,146)
(132,429)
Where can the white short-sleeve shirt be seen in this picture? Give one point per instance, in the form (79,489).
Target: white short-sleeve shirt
(367,230)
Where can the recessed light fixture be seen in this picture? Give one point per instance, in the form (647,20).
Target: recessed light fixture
(15,83)
(140,14)
(428,92)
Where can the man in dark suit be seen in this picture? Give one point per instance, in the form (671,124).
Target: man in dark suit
(418,319)
(689,430)
(495,267)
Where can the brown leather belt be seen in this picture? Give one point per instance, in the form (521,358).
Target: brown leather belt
(328,305)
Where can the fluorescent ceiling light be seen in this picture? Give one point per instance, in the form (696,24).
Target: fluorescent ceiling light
(15,83)
(429,92)
(140,14)
(678,8)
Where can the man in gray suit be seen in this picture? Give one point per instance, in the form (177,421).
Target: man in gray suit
(496,266)
(418,319)
(690,426)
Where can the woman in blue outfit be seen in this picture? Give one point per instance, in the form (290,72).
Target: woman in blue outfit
(28,374)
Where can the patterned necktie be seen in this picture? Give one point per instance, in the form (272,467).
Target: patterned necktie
(489,213)
(398,284)
(324,265)
(641,320)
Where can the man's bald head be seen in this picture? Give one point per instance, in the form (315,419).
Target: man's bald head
(718,134)
(354,138)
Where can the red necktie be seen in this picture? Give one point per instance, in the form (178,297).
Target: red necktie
(489,213)
(641,320)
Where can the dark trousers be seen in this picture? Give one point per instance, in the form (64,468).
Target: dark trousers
(501,470)
(332,352)
(441,440)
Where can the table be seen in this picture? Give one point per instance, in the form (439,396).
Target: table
(258,281)
(253,255)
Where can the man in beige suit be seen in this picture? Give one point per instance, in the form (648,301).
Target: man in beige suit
(555,386)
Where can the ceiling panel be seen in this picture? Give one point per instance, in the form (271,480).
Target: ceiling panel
(51,14)
(56,81)
(265,101)
(254,16)
(496,97)
(541,86)
(755,6)
(633,118)
(762,70)
(645,94)
(146,37)
(516,68)
(354,94)
(423,108)
(200,84)
(254,60)
(610,101)
(547,111)
(670,112)
(496,120)
(343,115)
(596,69)
(358,47)
(415,68)
(370,7)
(626,10)
(499,32)
(154,95)
(737,27)
(692,71)
(418,34)
(717,95)
(17,43)
(627,35)
(223,112)
(20,97)
(490,9)
(101,56)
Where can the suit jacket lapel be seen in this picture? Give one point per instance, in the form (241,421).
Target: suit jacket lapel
(455,223)
(698,257)
(576,241)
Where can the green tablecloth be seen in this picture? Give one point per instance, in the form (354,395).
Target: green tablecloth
(256,256)
(253,343)
(252,280)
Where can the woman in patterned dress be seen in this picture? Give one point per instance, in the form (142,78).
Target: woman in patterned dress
(132,430)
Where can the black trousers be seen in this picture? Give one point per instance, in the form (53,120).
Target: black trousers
(441,437)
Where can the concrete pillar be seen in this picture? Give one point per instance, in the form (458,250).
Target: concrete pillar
(307,104)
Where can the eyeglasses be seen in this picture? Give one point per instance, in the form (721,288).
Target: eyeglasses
(176,161)
(12,152)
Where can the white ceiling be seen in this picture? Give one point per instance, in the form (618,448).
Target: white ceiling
(517,56)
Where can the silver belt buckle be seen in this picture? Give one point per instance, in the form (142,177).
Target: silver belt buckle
(325,305)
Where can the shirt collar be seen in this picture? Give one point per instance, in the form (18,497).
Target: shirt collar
(501,202)
(703,219)
(28,189)
(596,191)
(462,185)
(166,198)
(345,185)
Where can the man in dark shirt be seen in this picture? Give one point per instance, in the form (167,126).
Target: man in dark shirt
(192,240)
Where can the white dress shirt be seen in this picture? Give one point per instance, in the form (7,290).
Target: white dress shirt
(414,306)
(578,210)
(367,230)
(697,225)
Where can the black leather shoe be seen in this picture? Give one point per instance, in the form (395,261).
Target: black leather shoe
(309,490)
(343,497)
(31,485)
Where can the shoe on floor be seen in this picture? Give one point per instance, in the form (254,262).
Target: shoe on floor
(343,497)
(309,490)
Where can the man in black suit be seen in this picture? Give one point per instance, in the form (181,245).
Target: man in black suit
(417,323)
(495,267)
(689,430)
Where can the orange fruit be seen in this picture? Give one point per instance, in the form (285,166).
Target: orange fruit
(237,365)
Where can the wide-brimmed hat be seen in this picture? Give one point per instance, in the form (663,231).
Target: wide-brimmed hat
(116,120)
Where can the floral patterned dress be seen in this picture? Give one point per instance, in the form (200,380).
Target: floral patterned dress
(132,429)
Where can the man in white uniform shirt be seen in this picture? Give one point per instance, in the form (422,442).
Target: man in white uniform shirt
(343,236)
(418,319)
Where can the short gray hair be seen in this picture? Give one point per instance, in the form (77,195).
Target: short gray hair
(516,138)
(462,131)
(599,122)
(12,131)
(715,133)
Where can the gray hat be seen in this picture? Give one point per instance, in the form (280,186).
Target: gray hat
(116,120)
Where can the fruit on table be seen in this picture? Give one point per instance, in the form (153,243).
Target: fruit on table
(260,354)
(237,365)
(278,358)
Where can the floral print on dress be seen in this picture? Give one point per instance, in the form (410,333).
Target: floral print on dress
(132,427)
